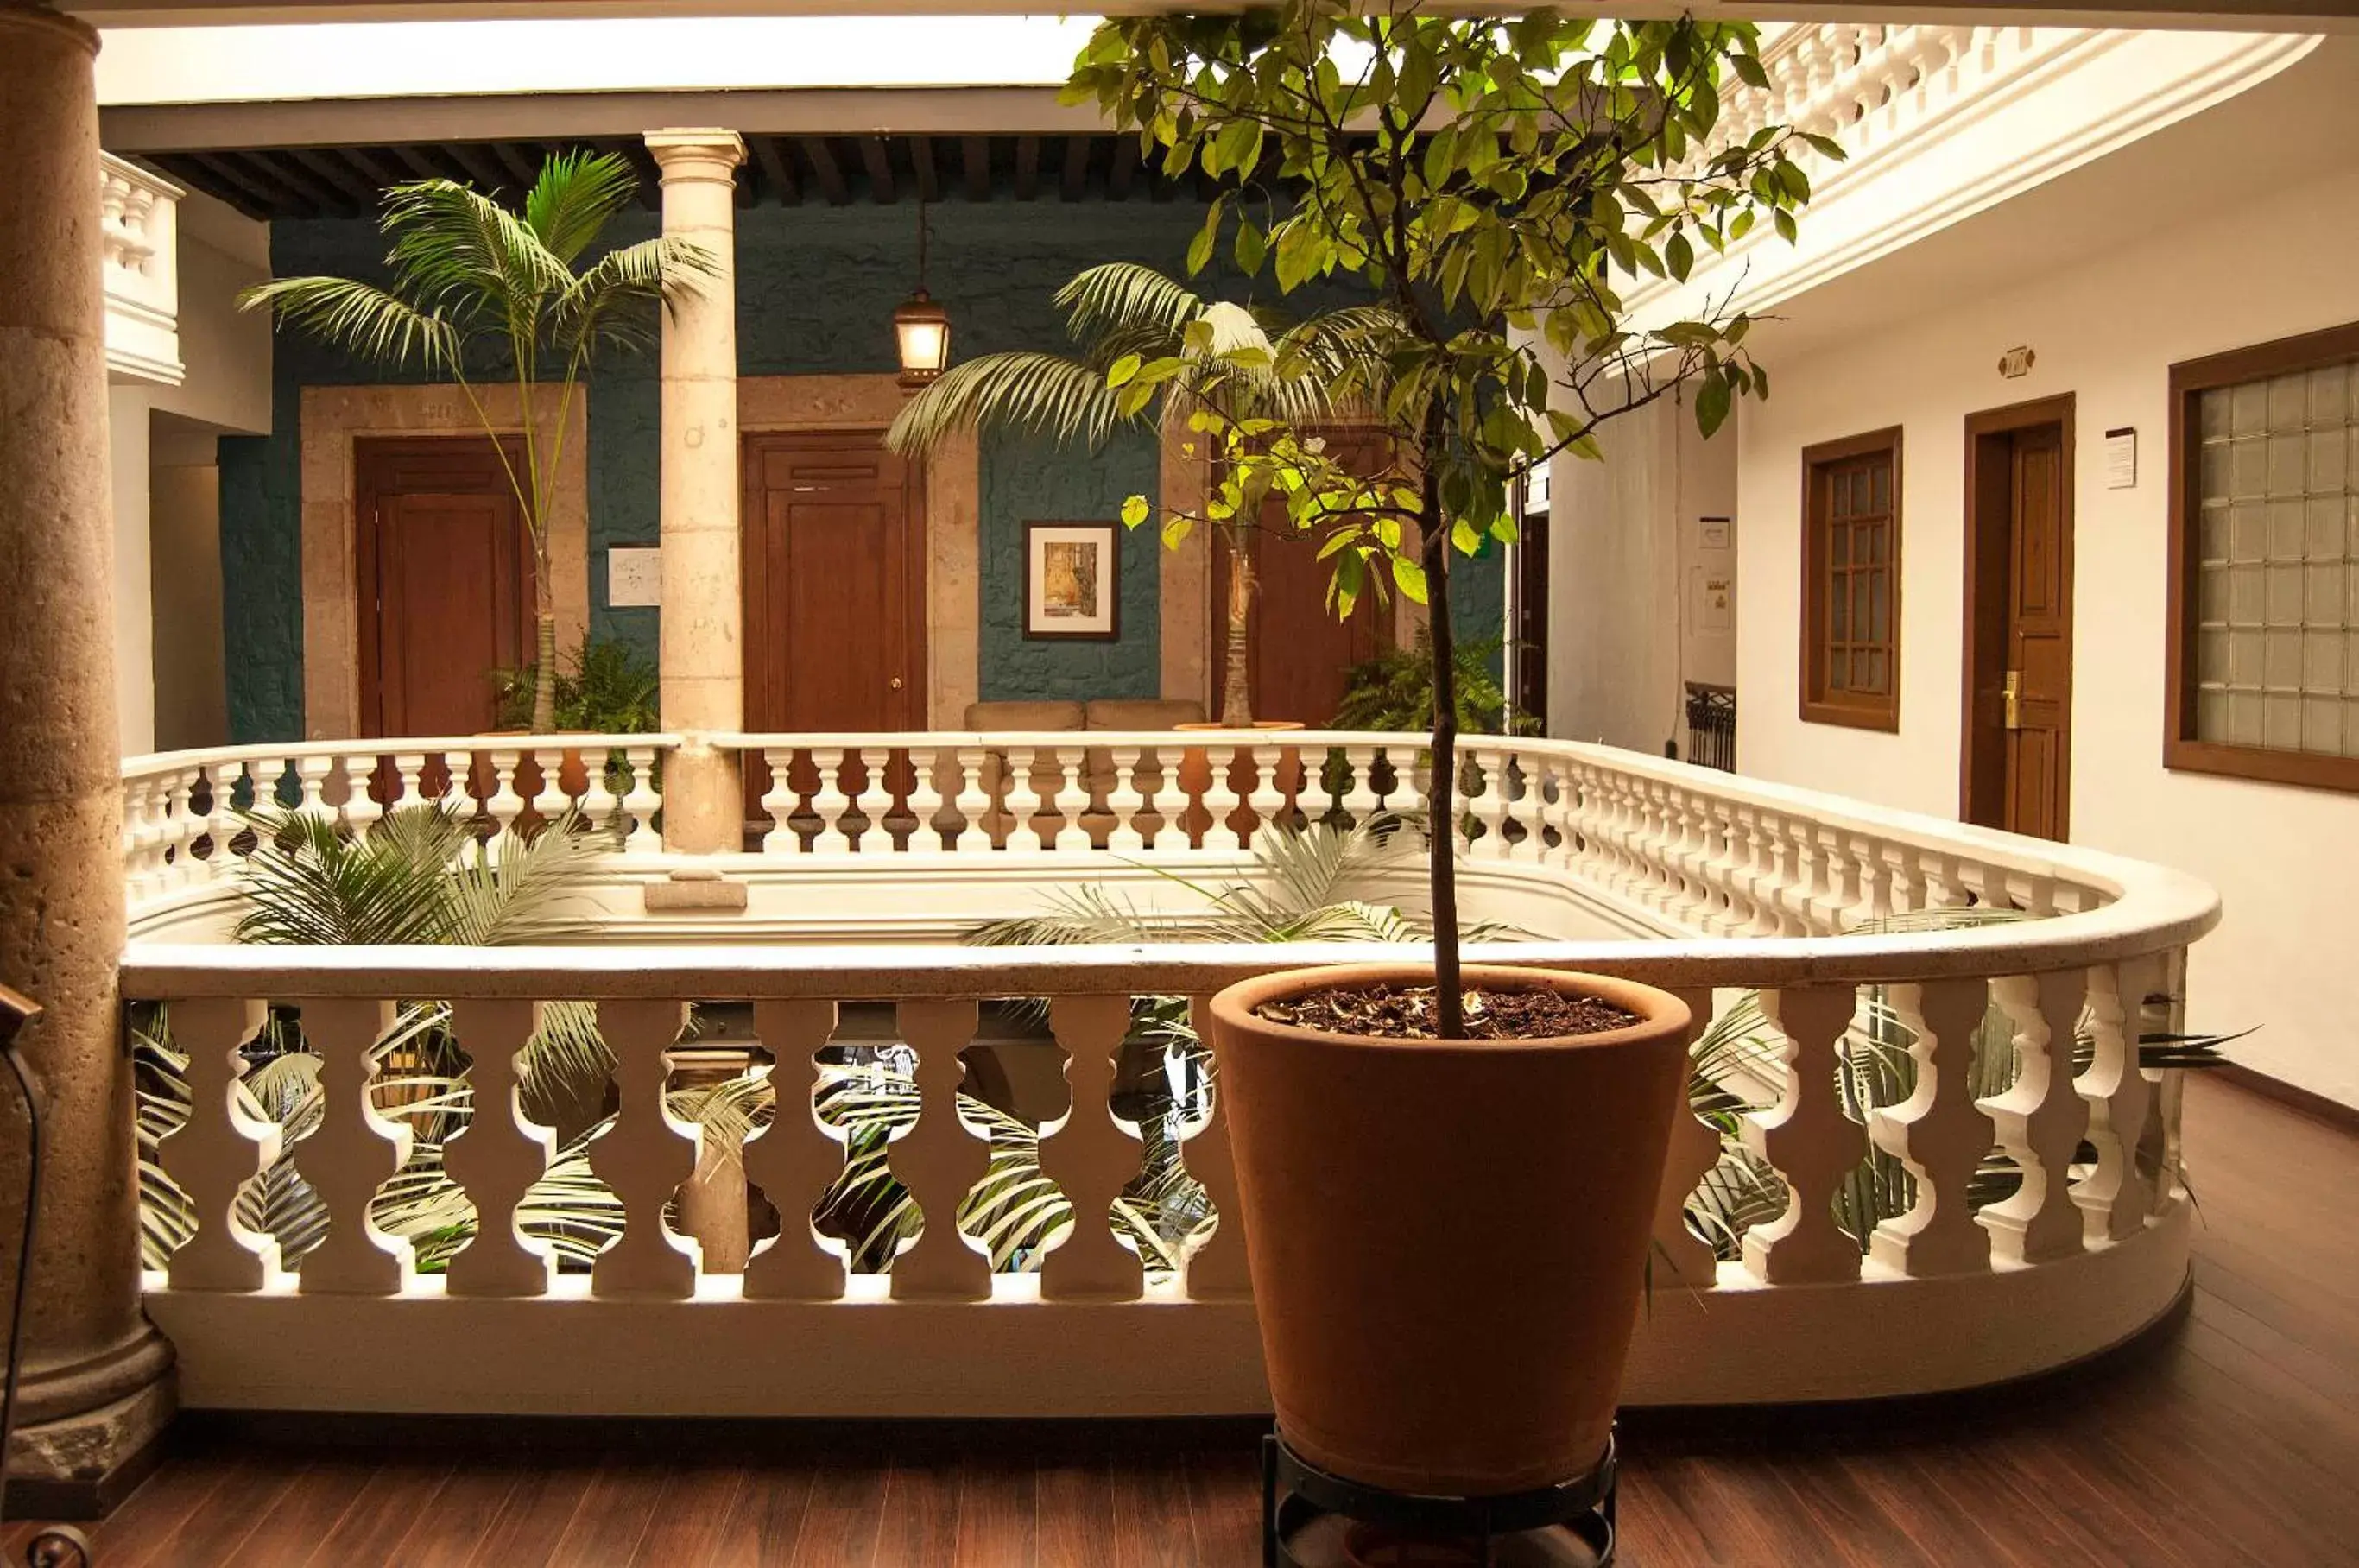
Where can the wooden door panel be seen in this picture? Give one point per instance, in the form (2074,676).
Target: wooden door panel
(2017,761)
(1298,655)
(446,584)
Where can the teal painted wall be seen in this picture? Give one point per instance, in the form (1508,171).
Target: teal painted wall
(816,287)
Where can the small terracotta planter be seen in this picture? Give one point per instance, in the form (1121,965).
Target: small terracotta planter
(1448,1239)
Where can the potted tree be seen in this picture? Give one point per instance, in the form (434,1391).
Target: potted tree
(1447,1174)
(474,290)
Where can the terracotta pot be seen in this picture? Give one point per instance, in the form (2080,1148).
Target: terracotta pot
(1196,777)
(1447,1239)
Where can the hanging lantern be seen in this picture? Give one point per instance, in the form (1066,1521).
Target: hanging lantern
(921,328)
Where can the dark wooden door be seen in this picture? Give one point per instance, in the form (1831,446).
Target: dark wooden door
(445,576)
(2019,743)
(834,585)
(1298,655)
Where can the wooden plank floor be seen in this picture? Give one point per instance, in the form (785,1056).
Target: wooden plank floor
(2231,1437)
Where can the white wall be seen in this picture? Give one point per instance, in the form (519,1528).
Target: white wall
(2106,330)
(1624,559)
(167,646)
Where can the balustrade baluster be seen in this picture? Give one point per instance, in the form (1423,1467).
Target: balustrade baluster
(2039,1119)
(939,1160)
(641,802)
(797,1158)
(214,826)
(407,779)
(1360,802)
(138,838)
(218,1150)
(1694,1150)
(1072,799)
(1216,1266)
(925,835)
(2117,1196)
(1808,1140)
(1838,889)
(1800,896)
(501,1153)
(312,773)
(974,802)
(354,1152)
(505,805)
(550,803)
(1090,1156)
(599,802)
(1022,802)
(1266,798)
(1939,1133)
(830,801)
(645,1156)
(875,800)
(1170,802)
(1220,798)
(180,866)
(1487,802)
(1125,802)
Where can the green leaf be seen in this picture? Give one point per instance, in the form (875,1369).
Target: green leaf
(1199,250)
(1251,247)
(1122,370)
(1134,511)
(1712,400)
(1410,577)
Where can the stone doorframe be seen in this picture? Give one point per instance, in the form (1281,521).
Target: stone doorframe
(1185,586)
(333,419)
(950,491)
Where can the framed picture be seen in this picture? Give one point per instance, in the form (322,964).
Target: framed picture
(1073,581)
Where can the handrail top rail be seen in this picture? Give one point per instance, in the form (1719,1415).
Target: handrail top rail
(148,763)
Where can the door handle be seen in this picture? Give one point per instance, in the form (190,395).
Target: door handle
(897,683)
(2011,695)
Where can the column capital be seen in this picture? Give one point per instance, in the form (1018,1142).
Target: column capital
(697,152)
(36,14)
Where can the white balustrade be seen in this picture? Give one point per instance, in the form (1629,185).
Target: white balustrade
(875,801)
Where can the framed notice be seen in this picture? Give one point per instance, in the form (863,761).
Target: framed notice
(1072,587)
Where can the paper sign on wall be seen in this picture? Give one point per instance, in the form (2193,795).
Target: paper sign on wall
(633,577)
(2121,459)
(1715,600)
(1715,533)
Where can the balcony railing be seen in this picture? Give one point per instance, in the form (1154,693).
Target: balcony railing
(2040,1216)
(137,231)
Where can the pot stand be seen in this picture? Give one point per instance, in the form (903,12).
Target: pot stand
(1296,1494)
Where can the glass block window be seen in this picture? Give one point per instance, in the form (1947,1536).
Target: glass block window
(2267,535)
(1851,590)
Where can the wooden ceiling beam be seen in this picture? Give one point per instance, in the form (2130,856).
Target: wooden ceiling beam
(420,162)
(310,198)
(877,158)
(922,159)
(1125,169)
(370,167)
(512,157)
(1028,168)
(219,178)
(1076,183)
(825,170)
(977,152)
(777,172)
(335,175)
(484,170)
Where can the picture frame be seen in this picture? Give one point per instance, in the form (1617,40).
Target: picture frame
(1072,582)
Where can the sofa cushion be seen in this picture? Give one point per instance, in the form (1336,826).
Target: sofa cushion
(1025,716)
(1143,713)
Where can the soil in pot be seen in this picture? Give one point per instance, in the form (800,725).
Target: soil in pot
(1448,1237)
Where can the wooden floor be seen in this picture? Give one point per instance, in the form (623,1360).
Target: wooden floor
(2233,1436)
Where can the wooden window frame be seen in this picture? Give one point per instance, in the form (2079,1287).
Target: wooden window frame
(1817,708)
(2181,751)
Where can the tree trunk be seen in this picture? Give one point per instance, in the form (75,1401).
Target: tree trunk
(1237,688)
(543,672)
(1449,1003)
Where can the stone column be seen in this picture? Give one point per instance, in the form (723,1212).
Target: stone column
(703,641)
(96,1385)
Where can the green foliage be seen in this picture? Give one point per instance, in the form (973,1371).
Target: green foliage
(1493,182)
(1393,691)
(604,687)
(476,289)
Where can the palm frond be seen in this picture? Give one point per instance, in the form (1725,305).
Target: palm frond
(598,306)
(531,890)
(1125,296)
(1026,390)
(311,883)
(454,245)
(577,194)
(363,319)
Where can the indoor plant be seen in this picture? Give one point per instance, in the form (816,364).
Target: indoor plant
(477,290)
(1476,175)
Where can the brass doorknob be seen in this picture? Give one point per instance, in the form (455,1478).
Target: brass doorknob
(897,683)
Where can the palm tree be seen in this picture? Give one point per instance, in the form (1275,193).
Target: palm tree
(1257,370)
(475,287)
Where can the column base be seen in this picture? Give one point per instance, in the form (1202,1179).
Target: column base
(80,1466)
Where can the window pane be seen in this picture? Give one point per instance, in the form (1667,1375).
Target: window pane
(2322,661)
(2321,725)
(2281,721)
(1882,498)
(2250,408)
(2285,530)
(1878,611)
(2289,402)
(1838,670)
(1838,613)
(2211,414)
(1862,619)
